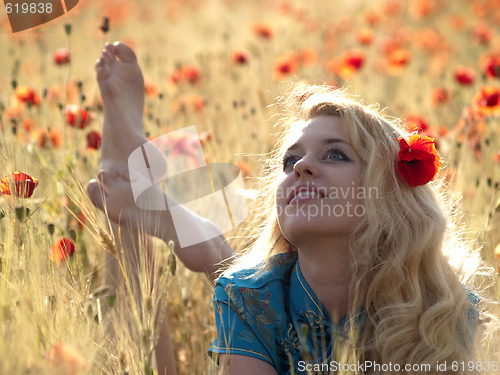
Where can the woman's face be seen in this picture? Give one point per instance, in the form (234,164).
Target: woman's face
(319,192)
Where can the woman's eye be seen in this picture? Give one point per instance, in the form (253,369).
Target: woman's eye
(289,161)
(335,154)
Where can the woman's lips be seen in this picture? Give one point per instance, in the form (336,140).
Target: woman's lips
(304,193)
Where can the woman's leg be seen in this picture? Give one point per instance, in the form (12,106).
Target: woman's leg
(122,90)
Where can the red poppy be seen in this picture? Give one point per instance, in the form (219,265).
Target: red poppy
(50,137)
(482,34)
(28,124)
(487,100)
(262,30)
(24,185)
(496,158)
(416,123)
(285,64)
(422,8)
(94,140)
(186,73)
(371,17)
(150,88)
(27,95)
(354,58)
(365,36)
(348,64)
(491,66)
(188,102)
(76,116)
(418,160)
(240,57)
(397,60)
(61,56)
(439,96)
(464,75)
(62,249)
(431,41)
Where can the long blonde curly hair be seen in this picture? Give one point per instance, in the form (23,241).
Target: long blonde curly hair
(416,303)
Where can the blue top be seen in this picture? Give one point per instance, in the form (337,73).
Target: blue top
(276,317)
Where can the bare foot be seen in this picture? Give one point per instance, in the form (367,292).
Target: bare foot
(122,90)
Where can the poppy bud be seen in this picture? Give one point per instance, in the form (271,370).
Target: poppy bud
(72,234)
(67,29)
(104,25)
(20,213)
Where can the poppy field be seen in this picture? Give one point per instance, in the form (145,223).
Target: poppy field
(219,65)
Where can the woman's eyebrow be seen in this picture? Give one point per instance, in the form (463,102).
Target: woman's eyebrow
(325,141)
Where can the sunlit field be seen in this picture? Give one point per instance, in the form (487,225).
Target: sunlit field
(218,65)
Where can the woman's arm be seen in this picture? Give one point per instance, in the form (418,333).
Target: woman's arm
(235,364)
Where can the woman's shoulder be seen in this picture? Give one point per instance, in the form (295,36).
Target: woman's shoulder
(275,270)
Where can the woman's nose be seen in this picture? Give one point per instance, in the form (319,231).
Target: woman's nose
(303,167)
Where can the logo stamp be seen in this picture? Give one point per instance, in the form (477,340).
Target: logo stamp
(179,179)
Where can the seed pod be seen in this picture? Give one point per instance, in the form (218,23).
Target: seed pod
(172,263)
(67,29)
(149,304)
(20,213)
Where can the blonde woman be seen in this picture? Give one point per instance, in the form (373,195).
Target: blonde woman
(347,273)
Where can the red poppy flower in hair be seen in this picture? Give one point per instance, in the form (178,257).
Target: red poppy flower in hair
(418,160)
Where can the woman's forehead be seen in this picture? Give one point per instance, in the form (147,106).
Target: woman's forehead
(315,129)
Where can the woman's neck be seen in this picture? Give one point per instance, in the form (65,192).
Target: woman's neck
(327,271)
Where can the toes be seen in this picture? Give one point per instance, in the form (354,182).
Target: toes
(102,69)
(108,56)
(124,52)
